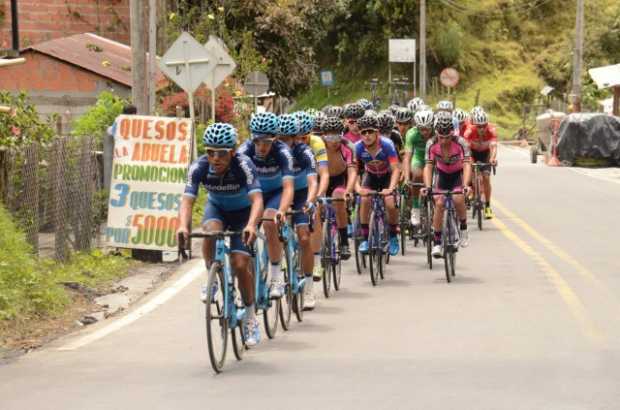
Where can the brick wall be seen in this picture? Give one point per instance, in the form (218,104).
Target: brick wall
(42,20)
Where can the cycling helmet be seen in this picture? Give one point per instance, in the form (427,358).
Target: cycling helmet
(403,115)
(264,123)
(480,118)
(445,105)
(367,105)
(476,109)
(393,108)
(425,107)
(312,112)
(443,123)
(220,135)
(332,125)
(319,119)
(306,122)
(368,122)
(414,104)
(289,125)
(423,119)
(354,110)
(460,115)
(386,121)
(333,111)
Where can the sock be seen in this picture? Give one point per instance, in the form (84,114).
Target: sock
(438,238)
(344,237)
(487,204)
(393,231)
(317,259)
(464,225)
(416,202)
(275,270)
(250,312)
(309,283)
(365,231)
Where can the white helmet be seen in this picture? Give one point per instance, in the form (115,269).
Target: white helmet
(460,115)
(423,119)
(445,105)
(480,118)
(476,109)
(415,104)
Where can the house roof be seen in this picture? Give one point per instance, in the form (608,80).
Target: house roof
(605,77)
(103,56)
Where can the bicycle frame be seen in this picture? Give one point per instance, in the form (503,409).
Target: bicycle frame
(329,214)
(289,237)
(378,208)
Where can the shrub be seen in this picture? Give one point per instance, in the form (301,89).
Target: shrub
(98,118)
(22,125)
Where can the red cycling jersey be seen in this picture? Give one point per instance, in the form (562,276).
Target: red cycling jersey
(480,142)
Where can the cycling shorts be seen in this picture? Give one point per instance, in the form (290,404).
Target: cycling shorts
(272,199)
(482,156)
(299,200)
(231,220)
(448,182)
(337,182)
(376,182)
(418,161)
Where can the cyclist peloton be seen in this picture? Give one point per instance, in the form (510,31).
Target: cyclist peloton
(462,119)
(305,171)
(482,140)
(415,154)
(403,118)
(274,165)
(386,123)
(450,158)
(234,202)
(352,113)
(341,176)
(376,157)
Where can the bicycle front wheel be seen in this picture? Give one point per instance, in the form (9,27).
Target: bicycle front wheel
(326,260)
(374,254)
(479,216)
(215,318)
(286,301)
(337,265)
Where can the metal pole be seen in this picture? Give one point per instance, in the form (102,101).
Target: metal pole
(138,55)
(190,100)
(414,80)
(578,57)
(15,26)
(213,93)
(390,81)
(152,55)
(423,48)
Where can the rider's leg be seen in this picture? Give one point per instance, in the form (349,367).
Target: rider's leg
(274,246)
(341,217)
(438,218)
(315,240)
(240,263)
(486,187)
(416,174)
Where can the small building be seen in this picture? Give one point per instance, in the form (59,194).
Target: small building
(66,75)
(608,77)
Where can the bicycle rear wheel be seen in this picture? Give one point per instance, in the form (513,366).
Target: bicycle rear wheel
(337,265)
(270,307)
(404,224)
(374,244)
(298,298)
(286,301)
(236,333)
(215,319)
(326,260)
(479,215)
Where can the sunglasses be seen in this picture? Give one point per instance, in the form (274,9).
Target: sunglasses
(351,121)
(444,137)
(332,138)
(368,132)
(261,136)
(219,153)
(264,141)
(428,129)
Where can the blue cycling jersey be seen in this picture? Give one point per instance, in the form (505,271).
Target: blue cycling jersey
(304,165)
(273,168)
(379,164)
(228,192)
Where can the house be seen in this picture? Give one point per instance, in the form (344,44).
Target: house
(66,75)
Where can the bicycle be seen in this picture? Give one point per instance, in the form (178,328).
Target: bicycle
(224,309)
(330,246)
(264,302)
(356,232)
(404,216)
(426,226)
(477,206)
(377,238)
(450,234)
(293,298)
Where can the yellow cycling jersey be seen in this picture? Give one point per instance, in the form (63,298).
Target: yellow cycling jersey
(318,149)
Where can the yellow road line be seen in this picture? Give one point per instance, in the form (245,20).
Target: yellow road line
(575,306)
(556,250)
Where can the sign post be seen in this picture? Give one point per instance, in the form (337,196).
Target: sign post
(256,83)
(402,51)
(327,80)
(224,65)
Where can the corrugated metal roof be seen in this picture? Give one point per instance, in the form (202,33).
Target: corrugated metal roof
(605,77)
(100,55)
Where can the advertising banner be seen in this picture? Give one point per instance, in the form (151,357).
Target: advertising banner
(149,172)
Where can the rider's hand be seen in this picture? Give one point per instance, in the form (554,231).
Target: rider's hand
(249,234)
(387,191)
(279,217)
(494,162)
(309,207)
(363,191)
(184,232)
(467,190)
(424,191)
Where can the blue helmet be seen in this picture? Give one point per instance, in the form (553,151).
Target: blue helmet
(220,135)
(289,125)
(306,122)
(366,104)
(265,123)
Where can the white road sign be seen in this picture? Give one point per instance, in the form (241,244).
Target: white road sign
(187,63)
(224,63)
(256,83)
(402,50)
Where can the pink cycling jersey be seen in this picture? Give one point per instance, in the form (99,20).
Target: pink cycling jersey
(453,163)
(354,138)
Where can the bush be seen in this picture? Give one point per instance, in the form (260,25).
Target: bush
(22,125)
(98,118)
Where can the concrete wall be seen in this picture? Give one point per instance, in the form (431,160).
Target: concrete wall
(56,87)
(42,20)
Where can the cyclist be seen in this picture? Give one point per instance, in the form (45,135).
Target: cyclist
(305,171)
(462,118)
(447,106)
(450,158)
(319,117)
(333,111)
(415,151)
(234,202)
(367,105)
(414,104)
(317,146)
(274,165)
(377,158)
(386,123)
(341,176)
(482,140)
(403,117)
(351,113)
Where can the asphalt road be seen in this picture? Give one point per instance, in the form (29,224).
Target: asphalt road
(531,322)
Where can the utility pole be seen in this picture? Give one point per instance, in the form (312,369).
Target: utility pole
(138,55)
(152,56)
(15,27)
(578,57)
(423,48)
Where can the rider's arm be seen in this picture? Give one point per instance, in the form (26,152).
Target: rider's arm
(196,171)
(185,211)
(493,145)
(428,174)
(312,188)
(467,172)
(323,179)
(395,166)
(288,192)
(407,165)
(351,179)
(256,210)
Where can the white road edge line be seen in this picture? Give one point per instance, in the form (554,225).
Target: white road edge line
(148,307)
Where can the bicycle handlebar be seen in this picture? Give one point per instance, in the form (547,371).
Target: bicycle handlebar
(484,164)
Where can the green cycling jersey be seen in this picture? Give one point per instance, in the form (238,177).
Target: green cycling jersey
(415,143)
